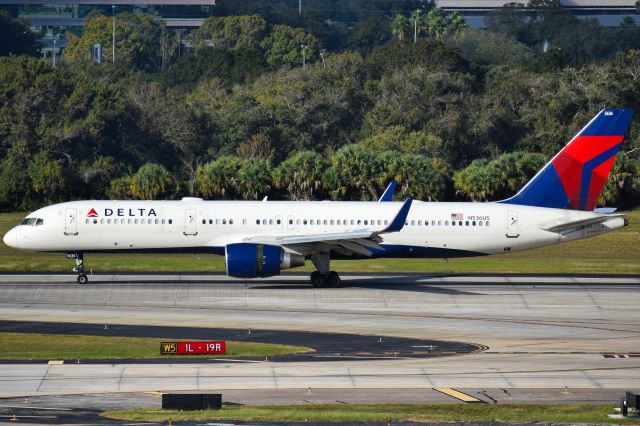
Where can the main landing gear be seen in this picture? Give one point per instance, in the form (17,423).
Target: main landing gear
(79,269)
(323,277)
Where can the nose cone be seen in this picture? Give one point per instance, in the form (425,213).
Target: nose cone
(11,238)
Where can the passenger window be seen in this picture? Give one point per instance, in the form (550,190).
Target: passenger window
(135,221)
(290,221)
(101,222)
(453,223)
(224,221)
(386,221)
(230,221)
(339,222)
(170,221)
(95,221)
(413,222)
(39,222)
(298,222)
(487,223)
(480,223)
(157,221)
(304,222)
(163,221)
(325,221)
(142,221)
(426,223)
(439,223)
(278,221)
(359,221)
(264,221)
(86,221)
(433,223)
(311,222)
(130,221)
(352,222)
(109,221)
(460,222)
(210,221)
(270,221)
(379,222)
(257,221)
(419,222)
(446,223)
(331,222)
(473,223)
(466,223)
(204,221)
(244,221)
(366,222)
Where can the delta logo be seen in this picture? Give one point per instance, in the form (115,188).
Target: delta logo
(123,212)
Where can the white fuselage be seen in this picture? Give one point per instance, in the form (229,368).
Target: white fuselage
(196,225)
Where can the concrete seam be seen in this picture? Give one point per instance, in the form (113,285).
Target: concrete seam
(504,377)
(524,302)
(591,379)
(384,299)
(198,378)
(106,296)
(37,295)
(275,380)
(353,382)
(590,296)
(121,374)
(426,376)
(175,294)
(44,376)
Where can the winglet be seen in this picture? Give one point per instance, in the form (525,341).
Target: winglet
(398,222)
(387,195)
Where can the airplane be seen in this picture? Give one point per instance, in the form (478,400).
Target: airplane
(262,238)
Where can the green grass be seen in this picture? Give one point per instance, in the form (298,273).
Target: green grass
(614,253)
(384,412)
(24,346)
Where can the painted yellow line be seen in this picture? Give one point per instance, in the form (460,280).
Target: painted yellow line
(55,362)
(458,395)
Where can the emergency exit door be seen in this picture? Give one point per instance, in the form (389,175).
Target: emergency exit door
(512,224)
(71,222)
(190,222)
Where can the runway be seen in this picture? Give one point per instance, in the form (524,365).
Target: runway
(540,332)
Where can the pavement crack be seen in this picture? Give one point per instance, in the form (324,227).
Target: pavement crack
(44,376)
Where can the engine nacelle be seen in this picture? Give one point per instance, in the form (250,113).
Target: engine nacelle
(247,260)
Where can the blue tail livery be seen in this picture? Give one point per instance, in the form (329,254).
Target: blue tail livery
(575,177)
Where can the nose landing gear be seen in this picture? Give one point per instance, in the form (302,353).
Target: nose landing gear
(79,268)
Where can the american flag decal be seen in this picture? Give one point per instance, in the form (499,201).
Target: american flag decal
(457,216)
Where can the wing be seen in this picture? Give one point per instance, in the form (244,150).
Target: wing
(358,241)
(579,224)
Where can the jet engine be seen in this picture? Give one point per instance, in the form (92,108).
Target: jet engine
(247,260)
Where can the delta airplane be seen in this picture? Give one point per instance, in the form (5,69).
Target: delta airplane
(261,238)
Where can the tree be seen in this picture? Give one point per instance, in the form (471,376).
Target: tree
(437,23)
(151,181)
(399,27)
(16,37)
(218,178)
(457,24)
(137,40)
(257,147)
(285,44)
(300,175)
(254,179)
(353,173)
(416,20)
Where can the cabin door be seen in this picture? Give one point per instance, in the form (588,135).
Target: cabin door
(512,224)
(190,222)
(71,222)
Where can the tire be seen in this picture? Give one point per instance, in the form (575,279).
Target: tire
(317,279)
(82,279)
(333,280)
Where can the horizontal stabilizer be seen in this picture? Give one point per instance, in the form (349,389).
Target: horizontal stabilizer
(573,225)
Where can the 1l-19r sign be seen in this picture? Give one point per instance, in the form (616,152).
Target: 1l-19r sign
(215,347)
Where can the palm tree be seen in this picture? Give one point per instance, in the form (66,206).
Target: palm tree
(416,19)
(436,23)
(457,23)
(399,27)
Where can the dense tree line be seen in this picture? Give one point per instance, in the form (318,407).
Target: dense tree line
(229,111)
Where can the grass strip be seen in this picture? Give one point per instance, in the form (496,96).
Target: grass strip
(384,412)
(34,346)
(614,253)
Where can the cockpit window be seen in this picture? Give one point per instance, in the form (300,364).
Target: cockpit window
(39,222)
(25,221)
(32,221)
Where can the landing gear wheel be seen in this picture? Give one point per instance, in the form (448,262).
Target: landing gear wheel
(317,279)
(82,279)
(332,280)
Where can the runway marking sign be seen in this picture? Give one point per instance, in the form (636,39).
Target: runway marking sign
(214,347)
(458,395)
